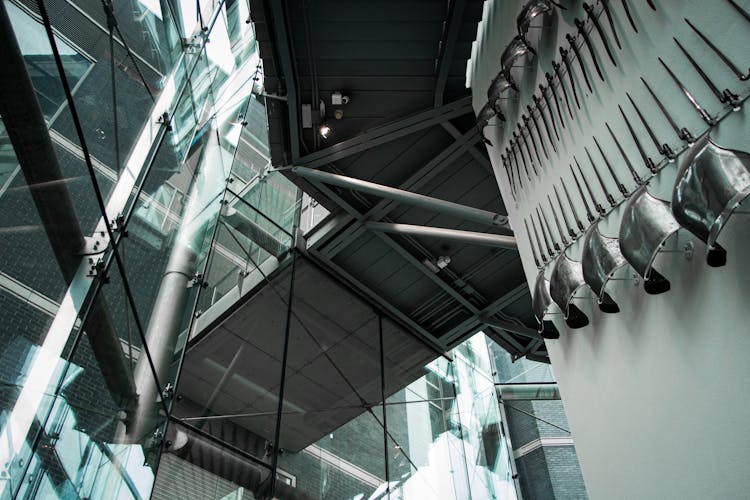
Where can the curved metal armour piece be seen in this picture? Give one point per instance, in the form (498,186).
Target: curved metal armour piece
(485,115)
(565,280)
(532,9)
(646,224)
(516,48)
(601,257)
(711,183)
(498,86)
(541,299)
(539,304)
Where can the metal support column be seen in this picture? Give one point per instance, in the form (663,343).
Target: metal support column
(282,383)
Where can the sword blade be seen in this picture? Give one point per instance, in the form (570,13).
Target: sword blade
(550,84)
(518,168)
(556,67)
(569,70)
(733,67)
(563,237)
(727,96)
(508,174)
(605,8)
(607,195)
(739,10)
(572,42)
(523,158)
(545,256)
(585,35)
(572,207)
(589,213)
(702,112)
(597,206)
(636,177)
(533,140)
(531,244)
(546,231)
(536,126)
(544,121)
(598,27)
(620,185)
(627,13)
(568,226)
(682,132)
(646,159)
(663,149)
(528,151)
(549,110)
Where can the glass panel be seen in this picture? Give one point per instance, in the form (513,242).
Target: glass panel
(84,447)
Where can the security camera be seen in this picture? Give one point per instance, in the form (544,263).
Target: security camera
(338,99)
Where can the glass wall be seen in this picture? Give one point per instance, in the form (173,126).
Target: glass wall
(442,438)
(104,251)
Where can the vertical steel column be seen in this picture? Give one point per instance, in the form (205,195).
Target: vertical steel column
(284,355)
(382,395)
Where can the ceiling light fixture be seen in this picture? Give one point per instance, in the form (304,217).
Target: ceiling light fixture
(324,130)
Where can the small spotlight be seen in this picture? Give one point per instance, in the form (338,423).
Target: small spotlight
(324,131)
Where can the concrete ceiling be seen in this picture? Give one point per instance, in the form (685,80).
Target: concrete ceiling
(333,362)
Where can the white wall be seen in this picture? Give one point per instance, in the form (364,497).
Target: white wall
(656,395)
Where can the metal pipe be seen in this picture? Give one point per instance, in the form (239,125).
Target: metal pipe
(407,197)
(27,130)
(528,392)
(227,461)
(484,239)
(171,301)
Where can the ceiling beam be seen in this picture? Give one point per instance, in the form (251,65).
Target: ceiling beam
(413,328)
(508,326)
(497,305)
(407,197)
(448,47)
(470,237)
(429,274)
(387,133)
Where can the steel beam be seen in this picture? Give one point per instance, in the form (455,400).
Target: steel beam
(511,327)
(494,307)
(448,47)
(386,133)
(473,151)
(414,328)
(432,168)
(290,78)
(471,237)
(445,287)
(505,341)
(407,197)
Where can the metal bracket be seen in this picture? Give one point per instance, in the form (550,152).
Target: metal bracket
(96,269)
(93,245)
(164,120)
(687,250)
(191,46)
(118,225)
(168,391)
(197,280)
